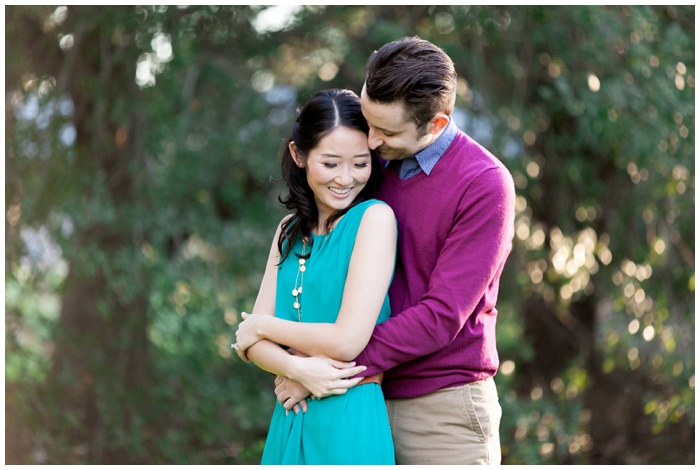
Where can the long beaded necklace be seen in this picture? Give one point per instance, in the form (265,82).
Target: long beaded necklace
(299,282)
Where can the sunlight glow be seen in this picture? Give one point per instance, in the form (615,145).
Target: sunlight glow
(275,18)
(593,83)
(149,64)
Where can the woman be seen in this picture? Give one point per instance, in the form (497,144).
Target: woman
(325,288)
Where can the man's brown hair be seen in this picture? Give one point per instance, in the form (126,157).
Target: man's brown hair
(416,73)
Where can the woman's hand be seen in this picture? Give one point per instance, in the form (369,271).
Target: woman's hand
(324,377)
(248,333)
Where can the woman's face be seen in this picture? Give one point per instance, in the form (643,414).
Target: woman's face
(337,169)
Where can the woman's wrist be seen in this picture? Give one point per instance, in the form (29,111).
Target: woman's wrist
(293,364)
(262,327)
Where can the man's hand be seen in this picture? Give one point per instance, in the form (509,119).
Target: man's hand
(291,394)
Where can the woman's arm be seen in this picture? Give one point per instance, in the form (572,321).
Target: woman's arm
(321,376)
(267,355)
(369,274)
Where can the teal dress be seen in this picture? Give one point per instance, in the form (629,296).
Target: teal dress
(352,428)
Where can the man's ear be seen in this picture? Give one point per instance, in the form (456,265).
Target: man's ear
(439,122)
(295,155)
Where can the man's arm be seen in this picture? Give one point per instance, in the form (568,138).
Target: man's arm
(475,249)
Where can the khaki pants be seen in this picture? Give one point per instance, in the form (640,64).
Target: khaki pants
(450,426)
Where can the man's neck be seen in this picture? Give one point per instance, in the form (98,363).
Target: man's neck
(431,138)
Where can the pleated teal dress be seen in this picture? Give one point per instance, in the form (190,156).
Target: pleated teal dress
(349,429)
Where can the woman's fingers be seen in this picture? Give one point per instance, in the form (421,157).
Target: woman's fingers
(344,373)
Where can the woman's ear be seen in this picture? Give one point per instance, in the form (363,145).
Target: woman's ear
(295,155)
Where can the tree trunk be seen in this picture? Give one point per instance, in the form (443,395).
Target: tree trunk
(101,344)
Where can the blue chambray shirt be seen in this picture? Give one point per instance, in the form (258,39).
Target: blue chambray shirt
(427,158)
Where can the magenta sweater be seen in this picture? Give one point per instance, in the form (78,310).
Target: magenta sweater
(455,233)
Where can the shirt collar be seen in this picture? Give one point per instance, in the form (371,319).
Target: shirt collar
(429,156)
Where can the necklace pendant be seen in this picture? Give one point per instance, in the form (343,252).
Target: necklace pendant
(296,292)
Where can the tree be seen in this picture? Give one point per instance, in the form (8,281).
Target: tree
(600,103)
(141,200)
(127,202)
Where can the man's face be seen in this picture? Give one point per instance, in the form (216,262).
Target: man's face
(394,137)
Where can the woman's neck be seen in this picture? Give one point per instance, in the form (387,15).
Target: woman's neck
(320,227)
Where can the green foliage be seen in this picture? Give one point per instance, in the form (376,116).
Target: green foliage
(141,155)
(547,427)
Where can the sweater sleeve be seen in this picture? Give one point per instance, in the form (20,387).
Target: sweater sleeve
(468,265)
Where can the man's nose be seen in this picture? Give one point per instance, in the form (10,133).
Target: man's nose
(373,140)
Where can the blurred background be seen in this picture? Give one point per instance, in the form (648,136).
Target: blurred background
(141,158)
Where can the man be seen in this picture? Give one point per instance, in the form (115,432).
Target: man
(454,203)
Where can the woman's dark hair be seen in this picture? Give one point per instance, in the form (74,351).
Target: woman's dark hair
(324,112)
(416,73)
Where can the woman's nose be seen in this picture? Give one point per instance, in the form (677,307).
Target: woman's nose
(344,177)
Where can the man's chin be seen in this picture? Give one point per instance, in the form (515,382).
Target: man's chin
(386,156)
